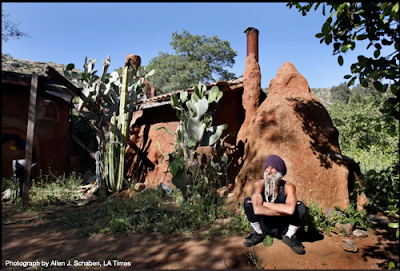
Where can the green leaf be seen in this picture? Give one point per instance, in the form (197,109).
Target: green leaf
(151,72)
(394,225)
(394,11)
(191,108)
(165,129)
(176,164)
(183,96)
(67,74)
(346,47)
(268,240)
(140,71)
(70,66)
(192,141)
(201,107)
(378,86)
(195,127)
(180,181)
(340,60)
(175,102)
(75,74)
(362,37)
(336,46)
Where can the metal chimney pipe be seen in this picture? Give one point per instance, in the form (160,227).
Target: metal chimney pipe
(252,41)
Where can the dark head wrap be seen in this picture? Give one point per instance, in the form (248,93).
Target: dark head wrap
(276,162)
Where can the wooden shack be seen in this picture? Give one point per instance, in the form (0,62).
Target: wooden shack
(51,137)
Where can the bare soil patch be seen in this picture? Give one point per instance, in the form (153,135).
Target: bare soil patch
(30,238)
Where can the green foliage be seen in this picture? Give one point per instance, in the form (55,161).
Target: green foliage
(196,59)
(393,210)
(382,187)
(363,134)
(376,22)
(340,93)
(369,125)
(316,220)
(371,141)
(55,190)
(6,183)
(239,223)
(253,260)
(149,211)
(195,130)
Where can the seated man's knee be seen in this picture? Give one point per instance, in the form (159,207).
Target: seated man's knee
(301,209)
(247,204)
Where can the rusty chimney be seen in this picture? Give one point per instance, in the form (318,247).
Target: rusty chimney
(252,41)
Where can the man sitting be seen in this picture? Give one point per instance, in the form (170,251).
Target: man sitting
(273,208)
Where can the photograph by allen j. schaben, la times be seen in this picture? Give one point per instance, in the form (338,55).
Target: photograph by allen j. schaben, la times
(68,263)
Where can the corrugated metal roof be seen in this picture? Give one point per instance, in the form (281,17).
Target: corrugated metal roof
(51,87)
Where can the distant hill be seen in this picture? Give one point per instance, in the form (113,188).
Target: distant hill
(323,94)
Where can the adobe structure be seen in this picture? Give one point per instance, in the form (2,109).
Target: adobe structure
(51,138)
(291,122)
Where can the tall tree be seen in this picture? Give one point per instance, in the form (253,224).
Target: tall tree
(10,29)
(197,59)
(340,93)
(377,22)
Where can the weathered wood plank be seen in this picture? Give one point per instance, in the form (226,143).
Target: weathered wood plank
(29,138)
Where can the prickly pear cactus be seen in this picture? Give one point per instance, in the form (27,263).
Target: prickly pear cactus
(195,130)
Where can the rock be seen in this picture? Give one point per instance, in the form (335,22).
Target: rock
(378,219)
(347,228)
(360,233)
(349,245)
(292,123)
(330,213)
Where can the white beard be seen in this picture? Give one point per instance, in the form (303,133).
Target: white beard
(271,182)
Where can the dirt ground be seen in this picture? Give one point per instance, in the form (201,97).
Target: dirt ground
(29,240)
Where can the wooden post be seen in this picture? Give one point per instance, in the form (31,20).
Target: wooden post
(29,138)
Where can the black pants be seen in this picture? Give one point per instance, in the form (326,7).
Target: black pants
(275,226)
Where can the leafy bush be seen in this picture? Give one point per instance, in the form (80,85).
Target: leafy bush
(316,221)
(151,211)
(382,188)
(371,139)
(56,190)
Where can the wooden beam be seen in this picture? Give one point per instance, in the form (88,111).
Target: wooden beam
(65,82)
(29,138)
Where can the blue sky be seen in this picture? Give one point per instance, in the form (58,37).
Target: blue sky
(68,32)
